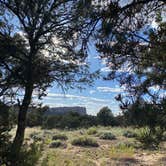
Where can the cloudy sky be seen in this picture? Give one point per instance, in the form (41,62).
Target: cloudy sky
(93,98)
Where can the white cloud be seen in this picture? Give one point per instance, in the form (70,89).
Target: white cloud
(109,89)
(92,91)
(69,96)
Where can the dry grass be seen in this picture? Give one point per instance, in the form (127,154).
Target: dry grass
(108,153)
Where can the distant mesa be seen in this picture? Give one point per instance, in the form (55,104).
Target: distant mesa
(64,110)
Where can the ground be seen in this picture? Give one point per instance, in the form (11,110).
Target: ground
(106,154)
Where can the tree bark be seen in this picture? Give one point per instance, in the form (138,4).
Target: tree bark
(19,137)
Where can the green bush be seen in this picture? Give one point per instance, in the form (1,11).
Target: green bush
(129,134)
(85,141)
(92,131)
(30,154)
(59,136)
(107,136)
(149,138)
(56,144)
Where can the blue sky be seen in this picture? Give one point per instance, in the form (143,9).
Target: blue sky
(93,98)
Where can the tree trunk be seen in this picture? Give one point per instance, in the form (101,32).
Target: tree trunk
(19,137)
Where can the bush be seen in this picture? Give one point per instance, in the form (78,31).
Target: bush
(107,136)
(59,136)
(149,138)
(30,154)
(122,150)
(129,134)
(57,144)
(85,141)
(92,131)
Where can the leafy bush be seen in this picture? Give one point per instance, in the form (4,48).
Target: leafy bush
(85,141)
(108,136)
(129,134)
(57,144)
(59,136)
(92,131)
(30,154)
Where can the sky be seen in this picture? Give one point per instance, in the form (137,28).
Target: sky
(101,94)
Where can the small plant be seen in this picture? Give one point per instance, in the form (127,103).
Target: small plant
(92,131)
(107,136)
(149,138)
(85,141)
(122,150)
(30,156)
(56,144)
(129,134)
(59,136)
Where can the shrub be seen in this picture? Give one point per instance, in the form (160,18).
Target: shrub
(57,144)
(129,134)
(30,154)
(149,138)
(122,150)
(108,136)
(85,141)
(59,136)
(92,131)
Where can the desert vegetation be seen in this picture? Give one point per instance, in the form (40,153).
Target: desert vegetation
(46,44)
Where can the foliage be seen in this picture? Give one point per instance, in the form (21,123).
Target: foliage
(85,141)
(107,136)
(59,136)
(69,120)
(106,117)
(92,131)
(5,127)
(35,115)
(149,138)
(39,45)
(129,134)
(30,154)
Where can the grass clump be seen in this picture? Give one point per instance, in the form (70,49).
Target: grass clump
(92,131)
(60,137)
(56,144)
(129,134)
(85,141)
(107,136)
(122,150)
(149,138)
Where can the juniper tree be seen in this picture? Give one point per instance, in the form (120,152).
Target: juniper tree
(40,42)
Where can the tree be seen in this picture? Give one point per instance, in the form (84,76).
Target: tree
(36,115)
(133,49)
(105,117)
(41,45)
